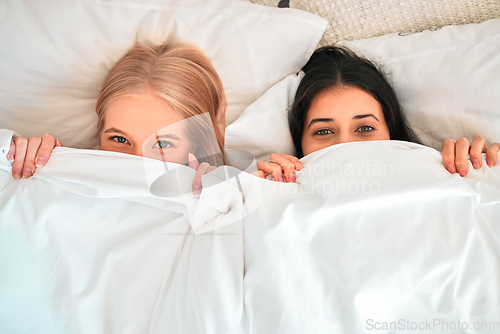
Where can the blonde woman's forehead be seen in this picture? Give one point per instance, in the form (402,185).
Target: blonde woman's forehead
(141,112)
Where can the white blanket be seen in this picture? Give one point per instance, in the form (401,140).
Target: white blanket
(87,247)
(373,235)
(376,237)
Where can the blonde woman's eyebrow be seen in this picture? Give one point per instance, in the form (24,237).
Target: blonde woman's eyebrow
(318,120)
(365,116)
(114,130)
(167,135)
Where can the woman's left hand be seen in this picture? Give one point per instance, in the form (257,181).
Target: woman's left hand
(201,169)
(281,166)
(455,155)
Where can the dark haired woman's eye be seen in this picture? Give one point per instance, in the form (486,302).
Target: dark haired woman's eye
(120,139)
(366,128)
(323,132)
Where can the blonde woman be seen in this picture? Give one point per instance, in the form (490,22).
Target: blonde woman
(164,102)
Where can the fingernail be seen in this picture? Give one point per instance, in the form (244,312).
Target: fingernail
(475,163)
(462,172)
(451,169)
(290,178)
(39,162)
(17,175)
(27,172)
(10,157)
(280,178)
(299,165)
(489,162)
(196,189)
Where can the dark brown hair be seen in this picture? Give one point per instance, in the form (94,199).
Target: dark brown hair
(334,67)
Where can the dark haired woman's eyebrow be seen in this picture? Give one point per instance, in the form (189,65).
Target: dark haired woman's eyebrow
(316,120)
(365,116)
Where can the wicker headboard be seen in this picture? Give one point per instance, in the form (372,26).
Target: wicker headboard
(357,19)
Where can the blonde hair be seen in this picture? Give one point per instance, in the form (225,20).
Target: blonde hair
(184,77)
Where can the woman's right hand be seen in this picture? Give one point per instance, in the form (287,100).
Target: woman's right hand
(281,166)
(28,154)
(201,169)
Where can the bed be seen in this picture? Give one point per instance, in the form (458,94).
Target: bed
(374,237)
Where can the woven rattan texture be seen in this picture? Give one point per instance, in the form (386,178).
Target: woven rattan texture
(357,19)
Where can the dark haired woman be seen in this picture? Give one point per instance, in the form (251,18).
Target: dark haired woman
(345,98)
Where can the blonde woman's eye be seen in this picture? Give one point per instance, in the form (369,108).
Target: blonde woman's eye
(120,139)
(366,128)
(162,144)
(323,132)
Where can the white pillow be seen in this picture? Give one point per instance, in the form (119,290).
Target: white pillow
(55,54)
(262,129)
(448,83)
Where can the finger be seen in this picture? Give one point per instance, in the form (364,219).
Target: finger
(477,147)
(492,154)
(298,164)
(12,151)
(21,144)
(29,160)
(259,173)
(448,153)
(271,168)
(58,143)
(45,149)
(287,165)
(192,161)
(203,169)
(461,156)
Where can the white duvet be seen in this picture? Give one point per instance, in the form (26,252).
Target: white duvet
(374,237)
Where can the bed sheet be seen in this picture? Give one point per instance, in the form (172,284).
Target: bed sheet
(88,246)
(372,235)
(375,237)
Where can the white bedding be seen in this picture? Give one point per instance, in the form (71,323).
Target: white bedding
(86,248)
(373,234)
(376,234)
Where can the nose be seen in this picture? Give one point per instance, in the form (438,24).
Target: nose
(345,138)
(137,151)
